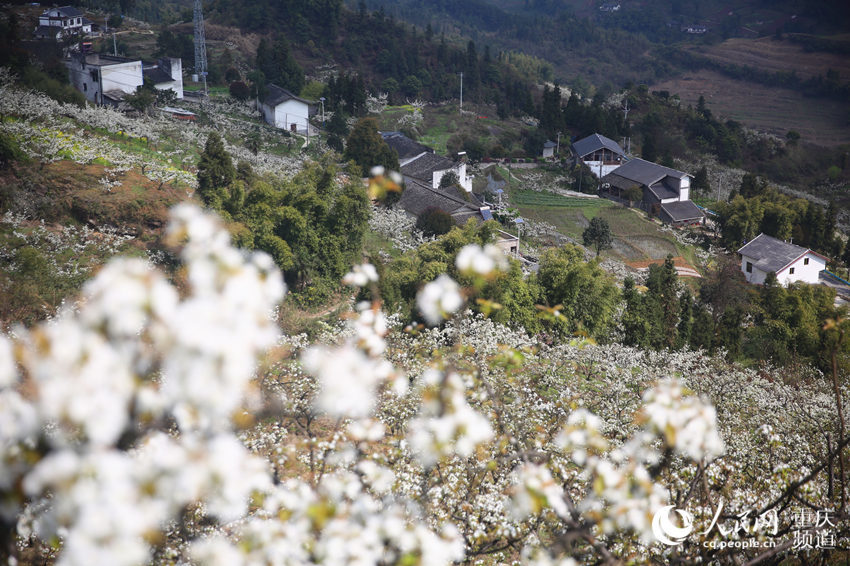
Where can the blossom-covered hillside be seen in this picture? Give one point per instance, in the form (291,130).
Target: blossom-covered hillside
(176,425)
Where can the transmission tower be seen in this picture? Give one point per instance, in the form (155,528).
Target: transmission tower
(200,43)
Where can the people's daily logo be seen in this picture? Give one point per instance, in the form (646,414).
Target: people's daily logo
(668,533)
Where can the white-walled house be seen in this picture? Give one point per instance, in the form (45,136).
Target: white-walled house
(602,155)
(166,73)
(430,168)
(666,192)
(765,254)
(104,79)
(59,22)
(284,110)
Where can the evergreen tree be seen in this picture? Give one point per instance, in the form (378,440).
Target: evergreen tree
(685,327)
(587,295)
(215,172)
(662,283)
(598,235)
(367,149)
(649,150)
(700,182)
(279,66)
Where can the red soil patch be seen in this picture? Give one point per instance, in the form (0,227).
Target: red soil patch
(678,261)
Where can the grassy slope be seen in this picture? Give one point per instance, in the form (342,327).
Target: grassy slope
(636,237)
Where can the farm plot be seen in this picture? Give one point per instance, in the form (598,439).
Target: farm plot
(768,54)
(635,237)
(774,110)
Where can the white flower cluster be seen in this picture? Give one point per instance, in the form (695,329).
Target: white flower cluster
(686,423)
(439,299)
(361,275)
(349,375)
(536,489)
(446,425)
(474,259)
(624,494)
(337,523)
(95,384)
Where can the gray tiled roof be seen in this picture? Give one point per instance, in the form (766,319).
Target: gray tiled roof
(403,145)
(549,143)
(419,197)
(157,75)
(771,254)
(662,191)
(277,95)
(425,166)
(682,211)
(646,172)
(47,31)
(69,12)
(596,141)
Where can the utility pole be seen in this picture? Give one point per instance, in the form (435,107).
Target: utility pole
(558,146)
(114,45)
(461,94)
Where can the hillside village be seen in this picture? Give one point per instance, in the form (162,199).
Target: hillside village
(341,288)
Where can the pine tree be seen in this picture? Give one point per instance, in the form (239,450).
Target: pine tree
(215,172)
(367,149)
(598,235)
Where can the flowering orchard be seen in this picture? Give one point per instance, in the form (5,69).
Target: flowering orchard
(173,424)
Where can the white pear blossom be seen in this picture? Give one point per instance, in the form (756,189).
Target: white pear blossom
(686,423)
(361,275)
(439,299)
(472,258)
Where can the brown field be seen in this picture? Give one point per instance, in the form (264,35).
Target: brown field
(772,55)
(770,109)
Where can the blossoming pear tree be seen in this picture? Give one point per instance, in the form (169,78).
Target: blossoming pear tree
(172,423)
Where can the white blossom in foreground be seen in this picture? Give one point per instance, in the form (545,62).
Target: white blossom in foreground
(536,490)
(337,523)
(348,378)
(86,447)
(473,258)
(439,299)
(686,423)
(446,424)
(361,275)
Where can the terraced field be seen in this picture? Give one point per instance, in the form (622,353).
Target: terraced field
(769,54)
(774,110)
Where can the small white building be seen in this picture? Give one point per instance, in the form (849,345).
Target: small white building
(791,263)
(549,149)
(59,22)
(284,110)
(105,79)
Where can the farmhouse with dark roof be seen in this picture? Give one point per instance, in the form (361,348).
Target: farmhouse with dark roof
(765,254)
(284,110)
(602,155)
(665,191)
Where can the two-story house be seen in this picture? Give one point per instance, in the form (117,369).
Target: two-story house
(104,79)
(665,191)
(602,155)
(57,23)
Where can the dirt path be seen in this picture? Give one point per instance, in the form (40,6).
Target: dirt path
(683,268)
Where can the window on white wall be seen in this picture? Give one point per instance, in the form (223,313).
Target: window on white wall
(806,261)
(791,271)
